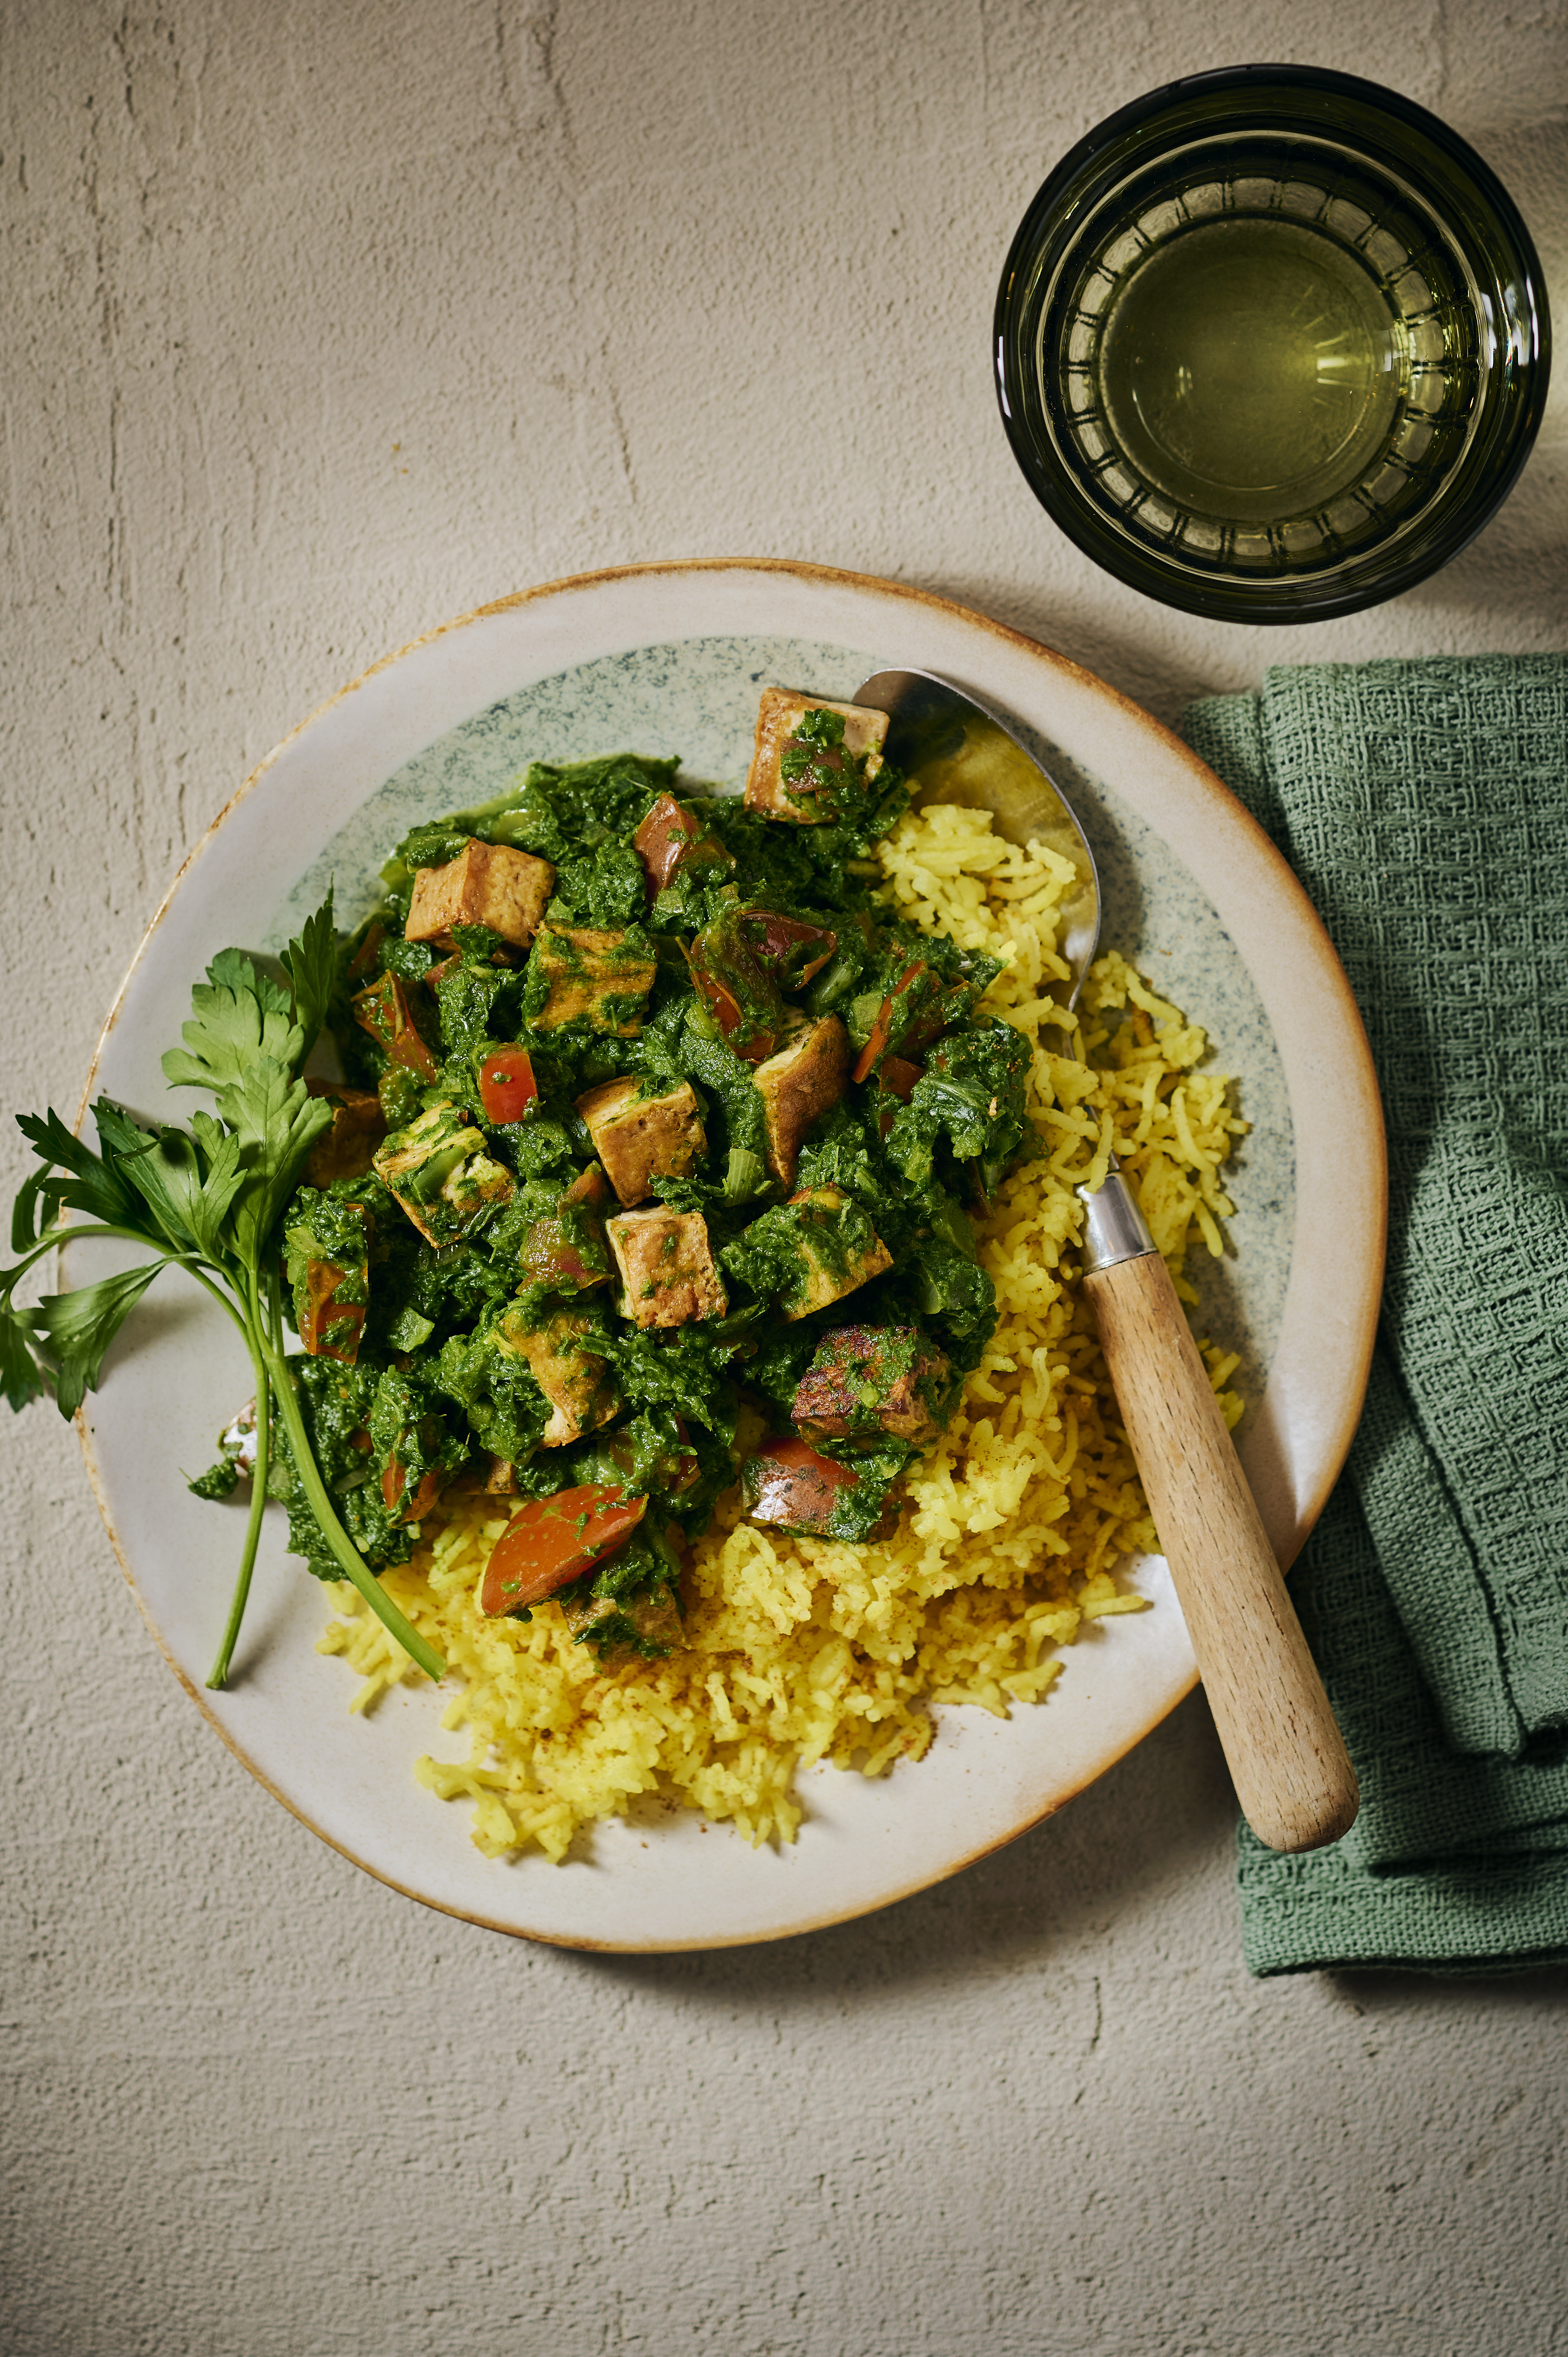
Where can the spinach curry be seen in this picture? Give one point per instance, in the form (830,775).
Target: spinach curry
(650,1106)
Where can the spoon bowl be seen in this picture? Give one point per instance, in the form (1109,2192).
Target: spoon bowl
(954,749)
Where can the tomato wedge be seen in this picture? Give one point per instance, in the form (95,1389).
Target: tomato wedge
(552,1541)
(394,1482)
(673,837)
(507,1085)
(895,1078)
(794,952)
(384,1012)
(881,1033)
(751,1029)
(676,1473)
(331,1329)
(364,957)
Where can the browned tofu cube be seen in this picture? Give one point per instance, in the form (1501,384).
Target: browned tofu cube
(585,974)
(358,1126)
(869,1380)
(438,1169)
(572,1378)
(666,1267)
(797,1086)
(840,771)
(839,1251)
(488,884)
(639,1140)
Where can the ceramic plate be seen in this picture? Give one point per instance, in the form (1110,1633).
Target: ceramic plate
(668,659)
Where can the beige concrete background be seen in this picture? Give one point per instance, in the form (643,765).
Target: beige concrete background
(322,324)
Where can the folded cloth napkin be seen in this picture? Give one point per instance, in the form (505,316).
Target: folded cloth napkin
(1424,807)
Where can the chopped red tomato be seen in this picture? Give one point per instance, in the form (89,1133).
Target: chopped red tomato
(364,957)
(742,963)
(394,1482)
(566,1249)
(795,951)
(750,1024)
(917,1010)
(552,1541)
(507,1085)
(384,1012)
(896,1079)
(329,1328)
(673,837)
(889,1015)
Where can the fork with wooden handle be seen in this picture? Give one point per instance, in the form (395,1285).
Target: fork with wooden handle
(1287,1757)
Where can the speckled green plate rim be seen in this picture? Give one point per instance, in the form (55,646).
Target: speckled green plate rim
(661,1879)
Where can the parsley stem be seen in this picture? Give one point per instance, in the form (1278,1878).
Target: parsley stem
(354,1564)
(253,1522)
(67,1232)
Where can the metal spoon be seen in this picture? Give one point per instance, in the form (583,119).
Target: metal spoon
(1292,1772)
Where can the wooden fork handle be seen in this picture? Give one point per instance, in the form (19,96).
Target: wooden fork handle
(1292,1772)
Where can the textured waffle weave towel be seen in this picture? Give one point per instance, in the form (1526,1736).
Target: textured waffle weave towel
(1424,807)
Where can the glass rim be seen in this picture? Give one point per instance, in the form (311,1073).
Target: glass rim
(1365,120)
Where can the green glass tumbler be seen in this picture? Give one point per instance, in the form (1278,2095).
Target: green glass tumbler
(1272,344)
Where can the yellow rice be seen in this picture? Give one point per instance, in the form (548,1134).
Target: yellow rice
(799,1650)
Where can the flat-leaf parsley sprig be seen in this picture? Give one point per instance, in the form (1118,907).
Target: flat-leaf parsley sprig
(207,1200)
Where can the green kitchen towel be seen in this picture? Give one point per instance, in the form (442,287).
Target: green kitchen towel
(1424,807)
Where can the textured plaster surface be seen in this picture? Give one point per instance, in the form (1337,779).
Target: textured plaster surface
(322,324)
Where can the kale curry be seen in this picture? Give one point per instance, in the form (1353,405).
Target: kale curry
(649,1106)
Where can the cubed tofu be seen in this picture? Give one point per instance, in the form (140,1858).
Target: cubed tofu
(869,1380)
(797,1086)
(839,1251)
(779,716)
(574,1379)
(439,1171)
(590,975)
(639,1140)
(666,1267)
(488,884)
(358,1126)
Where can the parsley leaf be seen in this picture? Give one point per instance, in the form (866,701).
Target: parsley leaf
(91,1186)
(19,1378)
(76,1329)
(240,1014)
(311,965)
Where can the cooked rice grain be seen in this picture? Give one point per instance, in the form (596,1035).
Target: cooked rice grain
(804,1650)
